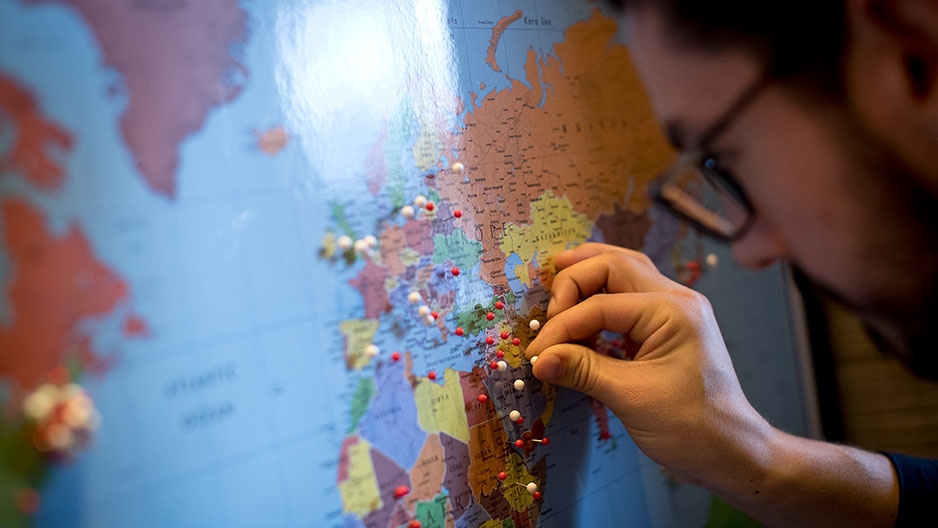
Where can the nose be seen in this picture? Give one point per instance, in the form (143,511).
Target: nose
(759,247)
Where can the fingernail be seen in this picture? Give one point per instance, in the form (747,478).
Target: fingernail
(548,368)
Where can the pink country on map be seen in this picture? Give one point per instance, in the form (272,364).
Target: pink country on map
(178,61)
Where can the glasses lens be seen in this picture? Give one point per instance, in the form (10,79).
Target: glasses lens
(705,197)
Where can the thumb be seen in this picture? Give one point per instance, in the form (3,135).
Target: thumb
(580,368)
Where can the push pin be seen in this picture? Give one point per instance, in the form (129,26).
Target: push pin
(407,211)
(414,524)
(414,297)
(713,260)
(344,242)
(424,310)
(499,305)
(533,359)
(534,325)
(493,365)
(536,495)
(519,384)
(429,206)
(460,331)
(458,168)
(545,440)
(457,213)
(361,246)
(502,366)
(396,356)
(499,354)
(490,316)
(505,335)
(489,340)
(401,491)
(515,341)
(455,272)
(519,443)
(502,475)
(482,398)
(372,350)
(435,315)
(431,375)
(371,241)
(530,486)
(514,416)
(420,201)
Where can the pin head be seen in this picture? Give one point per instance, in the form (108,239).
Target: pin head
(482,398)
(414,524)
(502,475)
(493,365)
(515,341)
(536,495)
(407,211)
(489,340)
(400,491)
(460,331)
(505,335)
(435,315)
(514,416)
(396,356)
(499,354)
(533,359)
(457,213)
(344,242)
(429,206)
(372,350)
(519,384)
(413,297)
(534,325)
(431,374)
(519,443)
(490,316)
(420,201)
(423,310)
(458,168)
(499,305)
(532,487)
(502,366)
(455,272)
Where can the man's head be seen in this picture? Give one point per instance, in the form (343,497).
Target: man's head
(838,153)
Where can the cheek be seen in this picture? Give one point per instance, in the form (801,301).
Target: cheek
(799,181)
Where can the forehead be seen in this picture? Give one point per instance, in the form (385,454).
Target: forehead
(689,86)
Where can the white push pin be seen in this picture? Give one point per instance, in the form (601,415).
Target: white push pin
(420,201)
(502,366)
(713,260)
(519,384)
(531,487)
(361,246)
(428,320)
(458,168)
(534,359)
(371,241)
(534,325)
(424,310)
(407,211)
(413,297)
(372,350)
(514,416)
(344,242)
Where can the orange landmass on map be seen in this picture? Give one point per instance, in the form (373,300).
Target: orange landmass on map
(497,31)
(488,453)
(56,282)
(588,133)
(32,153)
(426,475)
(177,64)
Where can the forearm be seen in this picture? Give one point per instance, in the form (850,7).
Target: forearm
(798,482)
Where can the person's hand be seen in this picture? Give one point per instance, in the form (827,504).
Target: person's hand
(679,397)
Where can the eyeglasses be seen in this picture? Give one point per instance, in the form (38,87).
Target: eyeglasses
(700,192)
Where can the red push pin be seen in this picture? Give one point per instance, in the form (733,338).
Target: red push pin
(545,440)
(400,491)
(519,443)
(457,213)
(431,375)
(499,354)
(429,206)
(455,272)
(435,315)
(520,420)
(460,331)
(489,340)
(482,398)
(490,316)
(505,335)
(515,341)
(414,524)
(396,356)
(499,305)
(502,475)
(493,365)
(605,436)
(536,495)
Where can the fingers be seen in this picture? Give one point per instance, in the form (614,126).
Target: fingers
(637,315)
(598,267)
(579,368)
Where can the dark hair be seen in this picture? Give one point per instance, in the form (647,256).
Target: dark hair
(800,42)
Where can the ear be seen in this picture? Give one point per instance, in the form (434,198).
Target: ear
(891,73)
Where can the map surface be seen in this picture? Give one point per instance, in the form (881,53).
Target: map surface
(241,227)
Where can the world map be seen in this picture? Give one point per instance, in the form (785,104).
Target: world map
(294,252)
